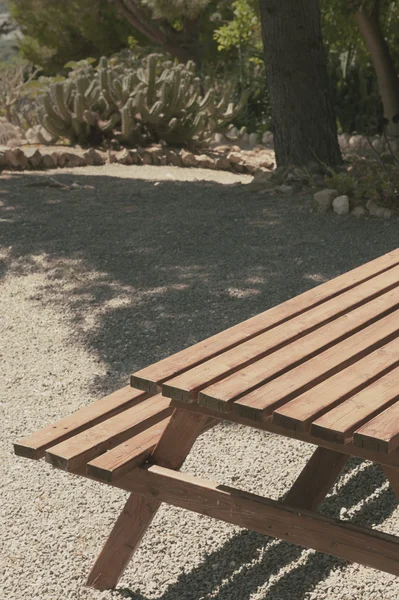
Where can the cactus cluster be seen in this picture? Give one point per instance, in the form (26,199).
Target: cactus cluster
(154,100)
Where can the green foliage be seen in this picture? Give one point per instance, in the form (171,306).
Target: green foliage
(57,32)
(243,30)
(367,180)
(175,9)
(357,103)
(151,99)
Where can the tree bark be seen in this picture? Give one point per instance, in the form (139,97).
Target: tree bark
(158,31)
(296,67)
(388,81)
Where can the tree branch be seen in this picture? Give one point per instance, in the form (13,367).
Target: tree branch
(157,31)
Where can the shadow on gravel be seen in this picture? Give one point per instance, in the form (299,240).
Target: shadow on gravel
(248,560)
(147,268)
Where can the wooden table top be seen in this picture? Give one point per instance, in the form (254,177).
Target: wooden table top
(321,367)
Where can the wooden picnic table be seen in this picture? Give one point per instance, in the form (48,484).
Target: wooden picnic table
(322,368)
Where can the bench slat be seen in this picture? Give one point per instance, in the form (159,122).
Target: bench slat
(127,456)
(186,386)
(87,445)
(150,378)
(381,434)
(263,400)
(221,395)
(34,446)
(338,424)
(300,412)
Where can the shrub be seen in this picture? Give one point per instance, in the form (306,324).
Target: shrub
(367,180)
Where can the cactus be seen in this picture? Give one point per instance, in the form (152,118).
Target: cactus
(157,98)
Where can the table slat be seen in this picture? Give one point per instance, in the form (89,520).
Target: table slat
(150,378)
(221,395)
(381,434)
(300,412)
(186,386)
(338,424)
(263,400)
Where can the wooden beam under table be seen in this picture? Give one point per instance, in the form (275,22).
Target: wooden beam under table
(390,460)
(305,528)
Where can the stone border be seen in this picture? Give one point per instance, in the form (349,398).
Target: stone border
(227,158)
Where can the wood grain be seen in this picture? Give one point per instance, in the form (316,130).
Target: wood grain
(150,378)
(338,424)
(127,456)
(176,441)
(316,479)
(381,434)
(221,395)
(341,539)
(186,386)
(300,412)
(260,403)
(85,446)
(391,460)
(35,445)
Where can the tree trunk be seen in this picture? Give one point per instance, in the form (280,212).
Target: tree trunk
(296,67)
(388,81)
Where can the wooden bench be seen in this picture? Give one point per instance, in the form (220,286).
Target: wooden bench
(322,368)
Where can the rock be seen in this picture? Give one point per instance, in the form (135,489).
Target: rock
(93,157)
(377,144)
(222,163)
(234,157)
(59,159)
(358,211)
(268,139)
(219,138)
(387,213)
(205,162)
(75,186)
(124,157)
(35,161)
(152,155)
(188,158)
(252,140)
(15,159)
(324,199)
(73,160)
(39,135)
(261,181)
(285,189)
(341,205)
(355,142)
(244,140)
(373,208)
(173,158)
(89,187)
(146,158)
(343,140)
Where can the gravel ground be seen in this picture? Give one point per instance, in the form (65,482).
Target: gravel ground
(99,282)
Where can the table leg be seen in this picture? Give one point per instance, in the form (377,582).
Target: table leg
(392,475)
(316,479)
(171,451)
